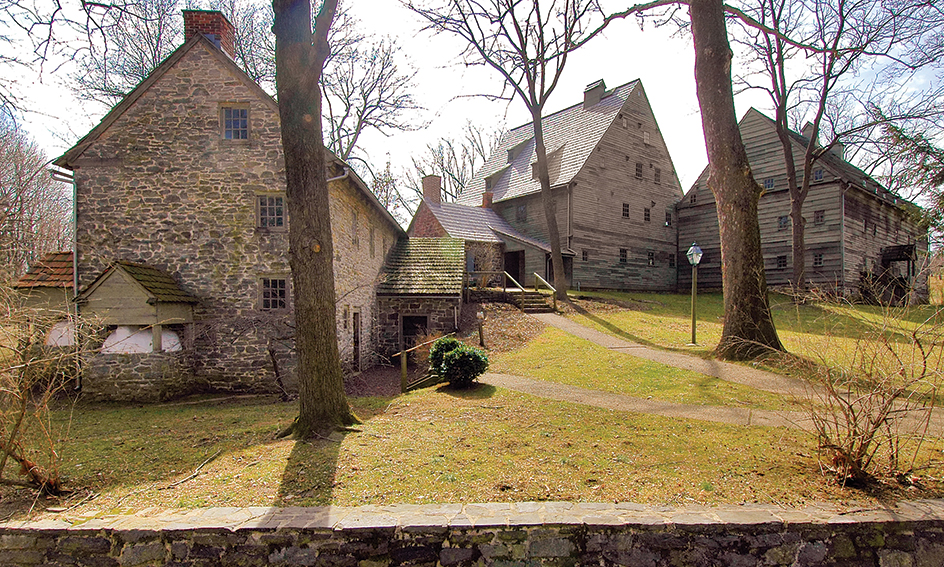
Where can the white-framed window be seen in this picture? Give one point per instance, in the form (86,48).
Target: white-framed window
(818,175)
(271,211)
(783,222)
(769,183)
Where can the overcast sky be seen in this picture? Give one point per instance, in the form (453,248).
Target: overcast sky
(663,61)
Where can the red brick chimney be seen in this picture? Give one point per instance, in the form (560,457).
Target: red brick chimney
(214,25)
(432,188)
(487,199)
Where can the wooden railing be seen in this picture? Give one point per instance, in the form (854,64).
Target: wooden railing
(537,279)
(402,354)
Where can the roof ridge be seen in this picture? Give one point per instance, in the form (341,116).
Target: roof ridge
(545,116)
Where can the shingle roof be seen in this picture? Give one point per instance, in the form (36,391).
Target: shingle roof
(424,266)
(569,137)
(157,283)
(841,168)
(54,270)
(469,223)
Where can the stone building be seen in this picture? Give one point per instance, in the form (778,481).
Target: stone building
(185,176)
(862,241)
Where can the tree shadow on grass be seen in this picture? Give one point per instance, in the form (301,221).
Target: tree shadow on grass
(310,474)
(612,328)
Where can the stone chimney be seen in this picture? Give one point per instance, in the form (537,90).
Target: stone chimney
(593,93)
(487,197)
(432,188)
(212,24)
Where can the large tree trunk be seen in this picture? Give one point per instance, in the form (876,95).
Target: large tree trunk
(550,207)
(748,327)
(299,60)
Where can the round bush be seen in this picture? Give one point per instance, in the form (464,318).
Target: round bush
(439,350)
(462,365)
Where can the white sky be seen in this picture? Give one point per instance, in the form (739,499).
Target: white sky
(665,64)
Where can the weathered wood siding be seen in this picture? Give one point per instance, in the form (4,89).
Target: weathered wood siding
(533,223)
(832,264)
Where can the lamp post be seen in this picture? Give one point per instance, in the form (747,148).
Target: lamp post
(694,255)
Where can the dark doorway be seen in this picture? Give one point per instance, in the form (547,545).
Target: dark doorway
(568,269)
(356,328)
(413,326)
(514,265)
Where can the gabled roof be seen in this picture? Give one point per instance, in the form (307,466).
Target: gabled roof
(469,223)
(569,137)
(54,270)
(424,266)
(67,159)
(835,164)
(159,286)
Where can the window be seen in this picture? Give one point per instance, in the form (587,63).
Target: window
(672,260)
(638,170)
(769,183)
(646,215)
(668,218)
(235,123)
(585,256)
(271,211)
(623,255)
(645,138)
(819,217)
(783,222)
(650,258)
(818,175)
(693,197)
(818,260)
(781,262)
(658,176)
(521,213)
(274,294)
(625,210)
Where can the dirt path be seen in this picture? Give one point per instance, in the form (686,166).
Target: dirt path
(619,402)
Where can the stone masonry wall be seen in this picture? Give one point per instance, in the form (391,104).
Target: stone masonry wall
(441,312)
(148,377)
(162,187)
(521,534)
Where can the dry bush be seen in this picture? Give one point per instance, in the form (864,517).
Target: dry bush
(873,408)
(32,378)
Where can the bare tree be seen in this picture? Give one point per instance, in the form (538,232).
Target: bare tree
(35,211)
(528,44)
(300,56)
(455,161)
(748,325)
(385,187)
(838,39)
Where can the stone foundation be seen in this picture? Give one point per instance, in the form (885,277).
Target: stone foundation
(148,377)
(520,534)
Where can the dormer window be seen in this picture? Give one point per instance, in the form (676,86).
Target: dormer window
(818,175)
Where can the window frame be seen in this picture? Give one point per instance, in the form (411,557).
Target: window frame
(650,258)
(647,214)
(668,218)
(638,170)
(769,183)
(265,285)
(657,176)
(584,256)
(623,255)
(625,210)
(781,262)
(260,207)
(818,260)
(819,217)
(783,222)
(235,106)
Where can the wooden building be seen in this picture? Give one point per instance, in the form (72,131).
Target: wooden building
(615,189)
(862,241)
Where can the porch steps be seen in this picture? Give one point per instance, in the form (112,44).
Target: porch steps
(533,302)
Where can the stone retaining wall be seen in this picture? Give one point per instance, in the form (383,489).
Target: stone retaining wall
(145,377)
(522,534)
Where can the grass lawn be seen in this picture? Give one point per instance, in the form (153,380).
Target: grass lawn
(434,445)
(559,357)
(834,334)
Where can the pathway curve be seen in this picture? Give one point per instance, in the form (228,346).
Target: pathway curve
(620,402)
(757,379)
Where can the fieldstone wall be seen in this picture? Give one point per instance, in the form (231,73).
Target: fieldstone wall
(488,257)
(162,187)
(441,313)
(146,377)
(521,534)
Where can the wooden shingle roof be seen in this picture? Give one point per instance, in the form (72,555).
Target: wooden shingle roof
(54,270)
(424,266)
(160,286)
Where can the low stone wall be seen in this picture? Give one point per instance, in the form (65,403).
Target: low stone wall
(146,377)
(522,534)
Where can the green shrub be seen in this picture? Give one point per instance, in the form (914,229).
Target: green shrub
(439,350)
(462,365)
